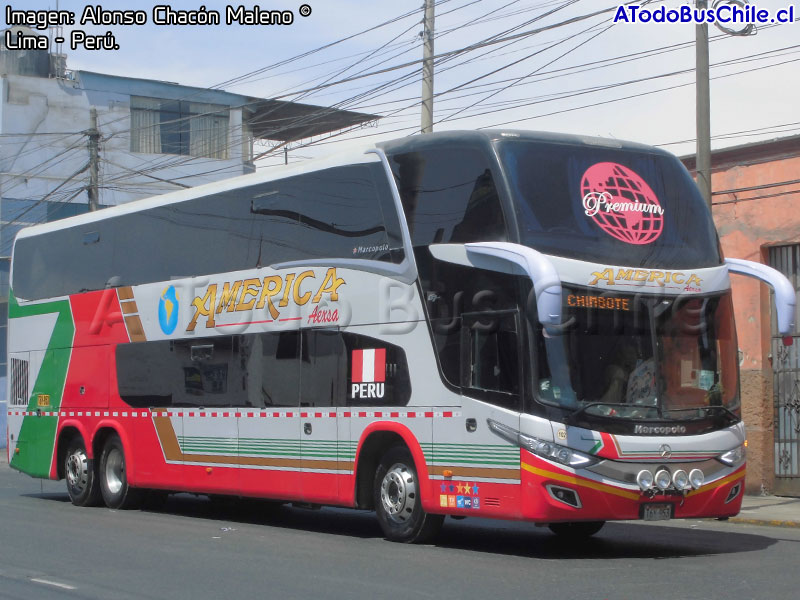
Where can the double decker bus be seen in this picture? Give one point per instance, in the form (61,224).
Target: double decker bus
(500,324)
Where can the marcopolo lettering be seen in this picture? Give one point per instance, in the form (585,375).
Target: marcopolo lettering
(273,292)
(659,430)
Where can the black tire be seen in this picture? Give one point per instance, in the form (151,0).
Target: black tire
(576,530)
(398,501)
(80,475)
(114,479)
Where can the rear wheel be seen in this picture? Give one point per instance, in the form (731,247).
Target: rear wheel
(398,504)
(578,529)
(79,473)
(114,477)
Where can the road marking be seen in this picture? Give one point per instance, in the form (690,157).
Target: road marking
(63,586)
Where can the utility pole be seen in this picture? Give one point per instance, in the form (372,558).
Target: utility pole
(703,109)
(427,69)
(94,159)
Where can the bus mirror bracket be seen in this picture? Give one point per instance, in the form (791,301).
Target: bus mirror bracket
(506,257)
(785,295)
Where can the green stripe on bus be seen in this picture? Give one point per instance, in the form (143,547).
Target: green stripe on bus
(36,440)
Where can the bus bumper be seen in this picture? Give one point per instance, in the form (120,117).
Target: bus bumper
(552,494)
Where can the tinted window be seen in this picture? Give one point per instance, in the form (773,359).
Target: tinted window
(451,291)
(377,372)
(344,212)
(260,370)
(271,369)
(490,356)
(312,368)
(323,376)
(605,205)
(449,196)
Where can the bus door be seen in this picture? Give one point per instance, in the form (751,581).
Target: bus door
(481,462)
(322,390)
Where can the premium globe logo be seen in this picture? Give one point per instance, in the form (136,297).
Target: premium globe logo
(168,310)
(621,203)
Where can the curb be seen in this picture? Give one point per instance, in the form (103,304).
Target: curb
(766,522)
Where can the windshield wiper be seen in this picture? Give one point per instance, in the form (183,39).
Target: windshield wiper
(573,415)
(733,416)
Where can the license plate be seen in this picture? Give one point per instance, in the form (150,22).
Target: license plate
(656,512)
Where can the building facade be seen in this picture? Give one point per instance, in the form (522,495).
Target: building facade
(756,207)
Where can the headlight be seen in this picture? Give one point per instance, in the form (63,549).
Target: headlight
(549,450)
(556,452)
(680,479)
(733,457)
(696,478)
(645,479)
(663,479)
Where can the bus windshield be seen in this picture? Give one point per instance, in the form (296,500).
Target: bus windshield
(640,357)
(608,205)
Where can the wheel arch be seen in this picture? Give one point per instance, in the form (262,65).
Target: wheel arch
(375,441)
(66,433)
(104,431)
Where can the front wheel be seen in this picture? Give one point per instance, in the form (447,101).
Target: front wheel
(398,504)
(576,530)
(114,477)
(80,475)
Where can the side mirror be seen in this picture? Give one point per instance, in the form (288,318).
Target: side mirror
(785,295)
(506,257)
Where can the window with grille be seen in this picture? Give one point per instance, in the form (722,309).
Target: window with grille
(19,382)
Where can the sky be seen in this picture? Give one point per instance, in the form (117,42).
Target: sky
(589,76)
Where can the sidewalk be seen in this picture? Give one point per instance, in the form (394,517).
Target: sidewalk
(777,511)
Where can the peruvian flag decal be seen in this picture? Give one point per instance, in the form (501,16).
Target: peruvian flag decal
(369,366)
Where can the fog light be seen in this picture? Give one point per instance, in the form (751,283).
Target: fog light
(663,479)
(680,479)
(645,480)
(565,495)
(696,478)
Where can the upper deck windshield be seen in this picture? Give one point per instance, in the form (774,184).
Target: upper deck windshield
(641,357)
(607,205)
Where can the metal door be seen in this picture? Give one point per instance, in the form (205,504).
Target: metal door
(786,384)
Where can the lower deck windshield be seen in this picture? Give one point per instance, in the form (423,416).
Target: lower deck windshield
(640,357)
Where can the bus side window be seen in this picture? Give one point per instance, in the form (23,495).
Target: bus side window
(205,373)
(322,370)
(144,378)
(490,366)
(449,196)
(270,370)
(377,373)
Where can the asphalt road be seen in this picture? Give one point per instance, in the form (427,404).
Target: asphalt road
(193,548)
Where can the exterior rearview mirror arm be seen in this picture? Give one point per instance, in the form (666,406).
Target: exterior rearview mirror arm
(785,296)
(506,257)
